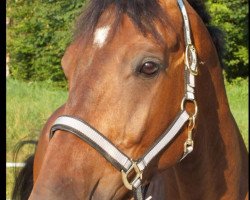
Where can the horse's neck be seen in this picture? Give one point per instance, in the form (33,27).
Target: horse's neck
(217,165)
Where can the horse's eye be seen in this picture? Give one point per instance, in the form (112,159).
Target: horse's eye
(149,68)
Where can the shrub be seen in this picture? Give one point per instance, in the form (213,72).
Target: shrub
(232,17)
(41,29)
(37,37)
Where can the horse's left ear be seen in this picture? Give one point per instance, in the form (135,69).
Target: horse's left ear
(69,60)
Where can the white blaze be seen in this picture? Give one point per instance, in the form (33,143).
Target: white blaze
(101,35)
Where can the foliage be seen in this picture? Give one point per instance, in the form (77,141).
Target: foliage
(37,36)
(232,17)
(41,29)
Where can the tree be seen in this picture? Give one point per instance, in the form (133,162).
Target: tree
(41,29)
(232,17)
(37,37)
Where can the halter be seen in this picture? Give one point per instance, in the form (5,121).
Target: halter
(127,166)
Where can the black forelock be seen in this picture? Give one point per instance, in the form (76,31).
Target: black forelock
(144,14)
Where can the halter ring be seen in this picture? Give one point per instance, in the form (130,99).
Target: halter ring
(195,106)
(138,175)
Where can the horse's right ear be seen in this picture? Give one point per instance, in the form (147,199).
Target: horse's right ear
(69,60)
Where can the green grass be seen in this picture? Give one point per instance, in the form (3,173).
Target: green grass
(30,104)
(28,107)
(237,93)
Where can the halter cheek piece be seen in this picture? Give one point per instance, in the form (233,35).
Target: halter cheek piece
(120,160)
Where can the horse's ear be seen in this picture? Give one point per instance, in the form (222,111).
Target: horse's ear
(69,60)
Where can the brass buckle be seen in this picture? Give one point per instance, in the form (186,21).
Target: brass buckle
(190,56)
(188,145)
(195,107)
(138,175)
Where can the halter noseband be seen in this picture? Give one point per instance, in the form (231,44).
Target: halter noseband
(120,160)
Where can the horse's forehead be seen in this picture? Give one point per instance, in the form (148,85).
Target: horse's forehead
(129,31)
(106,32)
(103,35)
(100,35)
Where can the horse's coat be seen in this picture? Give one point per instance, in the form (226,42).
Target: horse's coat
(109,89)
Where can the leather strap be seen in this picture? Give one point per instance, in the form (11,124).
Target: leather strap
(112,154)
(138,193)
(164,140)
(190,56)
(99,142)
(94,138)
(187,33)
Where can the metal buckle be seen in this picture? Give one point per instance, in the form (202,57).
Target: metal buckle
(195,107)
(138,175)
(188,146)
(190,56)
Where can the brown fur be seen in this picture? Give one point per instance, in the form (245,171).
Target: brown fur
(132,111)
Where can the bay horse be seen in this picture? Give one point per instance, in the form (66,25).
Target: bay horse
(147,116)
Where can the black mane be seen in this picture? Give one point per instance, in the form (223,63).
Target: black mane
(143,13)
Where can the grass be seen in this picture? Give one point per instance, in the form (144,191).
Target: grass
(28,107)
(237,93)
(30,104)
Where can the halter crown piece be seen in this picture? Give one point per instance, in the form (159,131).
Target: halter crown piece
(120,160)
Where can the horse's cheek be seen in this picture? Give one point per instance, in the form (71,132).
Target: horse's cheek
(173,153)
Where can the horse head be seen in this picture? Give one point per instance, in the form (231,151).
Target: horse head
(125,69)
